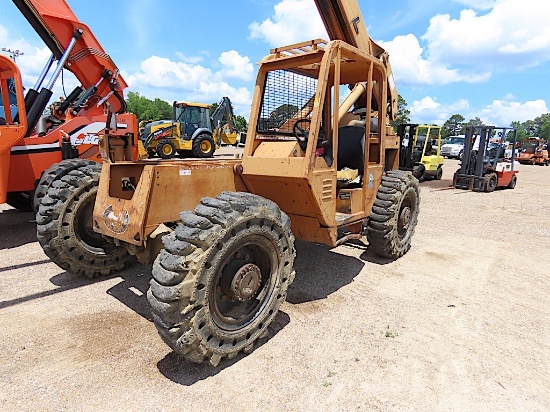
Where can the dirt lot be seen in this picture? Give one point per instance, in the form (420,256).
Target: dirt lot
(461,322)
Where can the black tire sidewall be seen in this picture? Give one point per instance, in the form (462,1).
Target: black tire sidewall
(197,152)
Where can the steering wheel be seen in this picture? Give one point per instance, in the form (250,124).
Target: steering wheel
(301,134)
(302,141)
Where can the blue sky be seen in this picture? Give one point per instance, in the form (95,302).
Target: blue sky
(480,58)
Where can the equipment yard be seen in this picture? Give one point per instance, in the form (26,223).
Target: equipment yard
(460,322)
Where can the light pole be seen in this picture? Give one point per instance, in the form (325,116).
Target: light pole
(13,53)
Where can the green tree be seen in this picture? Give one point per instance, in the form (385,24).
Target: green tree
(402,113)
(240,123)
(543,125)
(521,133)
(147,109)
(281,114)
(453,126)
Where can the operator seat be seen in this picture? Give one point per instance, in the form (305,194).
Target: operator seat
(417,151)
(351,148)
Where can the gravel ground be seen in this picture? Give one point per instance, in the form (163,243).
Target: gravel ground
(460,323)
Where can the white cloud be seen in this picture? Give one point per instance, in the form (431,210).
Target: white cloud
(514,33)
(503,112)
(499,113)
(189,59)
(236,66)
(170,80)
(410,67)
(428,110)
(294,21)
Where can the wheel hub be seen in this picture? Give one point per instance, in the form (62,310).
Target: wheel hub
(246,282)
(405,217)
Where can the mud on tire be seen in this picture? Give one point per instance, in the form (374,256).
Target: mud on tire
(54,172)
(222,276)
(394,214)
(64,226)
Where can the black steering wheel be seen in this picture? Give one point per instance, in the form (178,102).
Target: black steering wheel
(298,132)
(301,134)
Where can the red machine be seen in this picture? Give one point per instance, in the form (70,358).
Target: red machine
(31,141)
(484,166)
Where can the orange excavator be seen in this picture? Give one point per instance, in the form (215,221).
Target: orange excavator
(37,148)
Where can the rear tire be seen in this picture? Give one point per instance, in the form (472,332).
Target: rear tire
(439,173)
(491,181)
(64,226)
(203,146)
(56,171)
(394,215)
(513,182)
(222,276)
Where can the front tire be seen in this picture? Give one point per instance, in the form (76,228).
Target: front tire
(222,276)
(166,149)
(55,172)
(394,215)
(64,226)
(203,146)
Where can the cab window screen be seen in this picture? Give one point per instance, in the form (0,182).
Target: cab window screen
(288,97)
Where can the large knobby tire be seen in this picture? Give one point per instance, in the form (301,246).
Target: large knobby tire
(166,149)
(394,214)
(203,146)
(64,226)
(222,276)
(20,200)
(54,172)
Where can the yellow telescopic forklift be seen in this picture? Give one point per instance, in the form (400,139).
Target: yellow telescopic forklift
(228,225)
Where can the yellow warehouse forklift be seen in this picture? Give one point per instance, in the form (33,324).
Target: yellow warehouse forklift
(421,150)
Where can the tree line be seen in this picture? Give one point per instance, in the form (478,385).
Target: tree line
(457,124)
